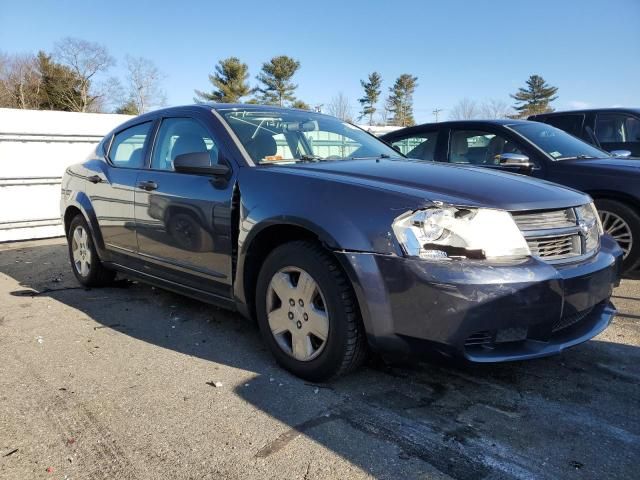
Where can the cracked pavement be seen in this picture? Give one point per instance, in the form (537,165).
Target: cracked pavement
(133,382)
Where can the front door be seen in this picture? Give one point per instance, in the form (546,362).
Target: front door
(184,220)
(484,148)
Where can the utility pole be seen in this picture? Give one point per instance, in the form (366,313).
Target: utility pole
(436,111)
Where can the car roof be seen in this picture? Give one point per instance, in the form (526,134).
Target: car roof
(588,110)
(208,106)
(505,122)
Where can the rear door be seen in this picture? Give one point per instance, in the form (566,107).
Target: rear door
(618,131)
(184,220)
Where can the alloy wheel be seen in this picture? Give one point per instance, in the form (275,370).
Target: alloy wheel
(81,251)
(619,229)
(297,314)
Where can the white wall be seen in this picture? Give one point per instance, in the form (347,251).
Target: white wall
(35,148)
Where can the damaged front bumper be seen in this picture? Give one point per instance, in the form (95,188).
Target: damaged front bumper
(481,311)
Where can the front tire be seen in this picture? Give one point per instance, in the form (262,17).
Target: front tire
(308,314)
(86,265)
(623,224)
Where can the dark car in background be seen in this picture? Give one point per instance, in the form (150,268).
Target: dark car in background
(541,151)
(616,130)
(335,243)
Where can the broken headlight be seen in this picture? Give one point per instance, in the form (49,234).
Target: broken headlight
(450,232)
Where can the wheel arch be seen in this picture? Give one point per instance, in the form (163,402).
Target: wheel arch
(261,241)
(627,199)
(82,205)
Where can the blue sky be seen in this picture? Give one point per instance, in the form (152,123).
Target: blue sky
(476,49)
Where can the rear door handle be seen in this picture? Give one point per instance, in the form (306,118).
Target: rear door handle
(148,186)
(95,178)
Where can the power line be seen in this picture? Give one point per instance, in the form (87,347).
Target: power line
(436,112)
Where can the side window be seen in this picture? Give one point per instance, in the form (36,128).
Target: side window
(569,123)
(127,146)
(478,148)
(178,136)
(617,128)
(422,146)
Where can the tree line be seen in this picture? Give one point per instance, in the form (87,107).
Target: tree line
(75,77)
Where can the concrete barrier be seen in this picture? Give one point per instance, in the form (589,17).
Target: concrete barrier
(36,146)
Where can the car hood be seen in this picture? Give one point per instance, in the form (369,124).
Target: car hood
(600,165)
(460,185)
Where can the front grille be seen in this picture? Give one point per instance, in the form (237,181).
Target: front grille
(557,235)
(479,338)
(545,220)
(554,248)
(569,320)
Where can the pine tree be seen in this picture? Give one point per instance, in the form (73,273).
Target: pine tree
(277,87)
(400,100)
(372,92)
(128,108)
(60,86)
(535,98)
(301,105)
(230,79)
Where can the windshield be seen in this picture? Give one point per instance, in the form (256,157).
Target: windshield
(557,143)
(289,136)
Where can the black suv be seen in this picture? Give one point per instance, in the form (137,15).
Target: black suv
(616,130)
(541,151)
(334,242)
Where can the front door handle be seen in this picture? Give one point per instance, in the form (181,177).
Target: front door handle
(148,186)
(95,178)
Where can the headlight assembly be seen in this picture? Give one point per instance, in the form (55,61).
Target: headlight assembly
(450,232)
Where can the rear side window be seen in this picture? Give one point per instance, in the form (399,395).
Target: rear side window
(569,123)
(422,146)
(127,147)
(617,128)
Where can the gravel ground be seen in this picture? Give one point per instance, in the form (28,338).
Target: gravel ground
(132,382)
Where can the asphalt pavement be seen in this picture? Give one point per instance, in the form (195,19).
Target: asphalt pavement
(132,382)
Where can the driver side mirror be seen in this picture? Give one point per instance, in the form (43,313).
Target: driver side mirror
(517,160)
(198,162)
(621,153)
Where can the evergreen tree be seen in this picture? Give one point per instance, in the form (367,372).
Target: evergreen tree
(535,98)
(301,105)
(400,100)
(372,92)
(230,80)
(60,86)
(130,107)
(277,87)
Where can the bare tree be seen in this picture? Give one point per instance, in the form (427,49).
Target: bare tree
(87,60)
(143,84)
(339,107)
(465,109)
(495,108)
(20,82)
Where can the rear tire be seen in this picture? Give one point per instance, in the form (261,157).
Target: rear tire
(340,345)
(620,220)
(86,265)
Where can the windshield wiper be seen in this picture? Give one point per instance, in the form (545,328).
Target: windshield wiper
(310,158)
(577,157)
(376,157)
